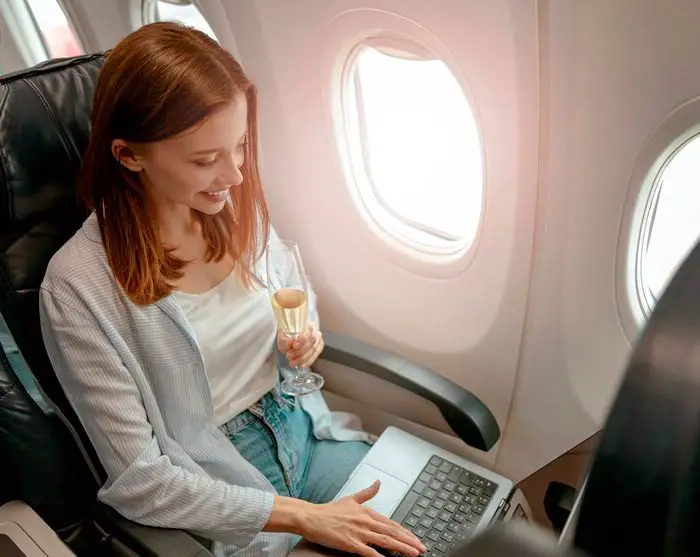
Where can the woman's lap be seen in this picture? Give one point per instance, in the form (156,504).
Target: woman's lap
(275,435)
(331,464)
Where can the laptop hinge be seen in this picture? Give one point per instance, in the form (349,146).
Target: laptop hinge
(501,511)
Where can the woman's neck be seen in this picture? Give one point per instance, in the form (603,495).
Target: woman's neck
(177,225)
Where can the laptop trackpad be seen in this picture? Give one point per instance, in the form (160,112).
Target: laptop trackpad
(391,490)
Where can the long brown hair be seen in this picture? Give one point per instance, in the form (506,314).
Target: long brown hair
(158,82)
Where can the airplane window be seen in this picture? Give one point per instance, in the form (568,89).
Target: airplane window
(418,159)
(671,224)
(57,35)
(183,11)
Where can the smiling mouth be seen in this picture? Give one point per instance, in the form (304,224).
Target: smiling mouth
(221,194)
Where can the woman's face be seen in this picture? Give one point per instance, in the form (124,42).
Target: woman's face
(196,168)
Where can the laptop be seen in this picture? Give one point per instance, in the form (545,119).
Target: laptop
(442,498)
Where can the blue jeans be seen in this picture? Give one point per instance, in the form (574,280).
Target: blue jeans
(276,436)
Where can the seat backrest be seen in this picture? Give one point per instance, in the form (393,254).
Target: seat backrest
(44,127)
(642,492)
(40,463)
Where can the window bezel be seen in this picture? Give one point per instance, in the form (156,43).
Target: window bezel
(646,297)
(421,239)
(149,11)
(635,302)
(29,36)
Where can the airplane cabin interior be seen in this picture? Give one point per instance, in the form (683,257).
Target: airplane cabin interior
(497,205)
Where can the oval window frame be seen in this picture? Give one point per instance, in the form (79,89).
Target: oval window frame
(357,152)
(149,8)
(670,135)
(645,295)
(35,49)
(342,36)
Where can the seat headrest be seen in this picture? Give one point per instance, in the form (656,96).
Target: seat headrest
(44,127)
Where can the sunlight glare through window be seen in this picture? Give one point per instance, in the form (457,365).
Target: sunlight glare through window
(53,24)
(675,227)
(422,151)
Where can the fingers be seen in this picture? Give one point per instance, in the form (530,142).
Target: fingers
(307,348)
(381,518)
(365,550)
(390,529)
(306,339)
(367,493)
(392,544)
(284,342)
(294,347)
(312,356)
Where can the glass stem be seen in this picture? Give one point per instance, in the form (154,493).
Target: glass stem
(298,369)
(299,373)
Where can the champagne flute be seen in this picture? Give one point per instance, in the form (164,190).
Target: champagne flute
(289,294)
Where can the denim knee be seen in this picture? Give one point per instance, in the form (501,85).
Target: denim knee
(332,462)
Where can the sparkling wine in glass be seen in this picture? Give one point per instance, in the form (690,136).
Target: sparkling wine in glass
(289,293)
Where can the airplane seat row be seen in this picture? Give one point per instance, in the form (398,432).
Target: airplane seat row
(44,129)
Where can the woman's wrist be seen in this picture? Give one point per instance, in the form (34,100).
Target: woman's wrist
(288,515)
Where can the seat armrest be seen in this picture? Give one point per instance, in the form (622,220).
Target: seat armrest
(146,541)
(468,417)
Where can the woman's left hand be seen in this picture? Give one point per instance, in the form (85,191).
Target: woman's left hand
(303,350)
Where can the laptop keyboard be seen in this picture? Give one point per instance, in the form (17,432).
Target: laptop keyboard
(443,506)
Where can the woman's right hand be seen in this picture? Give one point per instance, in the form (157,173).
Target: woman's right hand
(347,525)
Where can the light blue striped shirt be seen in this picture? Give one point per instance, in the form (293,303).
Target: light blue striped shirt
(135,377)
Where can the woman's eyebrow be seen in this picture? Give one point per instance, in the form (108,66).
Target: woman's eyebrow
(205,151)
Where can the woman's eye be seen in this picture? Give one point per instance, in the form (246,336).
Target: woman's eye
(206,163)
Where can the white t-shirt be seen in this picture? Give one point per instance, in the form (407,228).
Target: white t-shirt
(235,330)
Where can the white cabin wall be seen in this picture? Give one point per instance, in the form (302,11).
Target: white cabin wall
(110,21)
(467,327)
(615,71)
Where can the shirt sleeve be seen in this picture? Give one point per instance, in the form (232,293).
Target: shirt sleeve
(142,483)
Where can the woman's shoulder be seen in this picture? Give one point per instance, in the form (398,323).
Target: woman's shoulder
(81,262)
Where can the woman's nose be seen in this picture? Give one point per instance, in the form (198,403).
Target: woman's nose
(234,176)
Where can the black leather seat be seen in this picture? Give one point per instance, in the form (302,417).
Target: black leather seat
(31,437)
(44,128)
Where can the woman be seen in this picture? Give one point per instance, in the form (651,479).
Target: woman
(161,334)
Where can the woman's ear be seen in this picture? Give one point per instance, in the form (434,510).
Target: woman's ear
(126,155)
